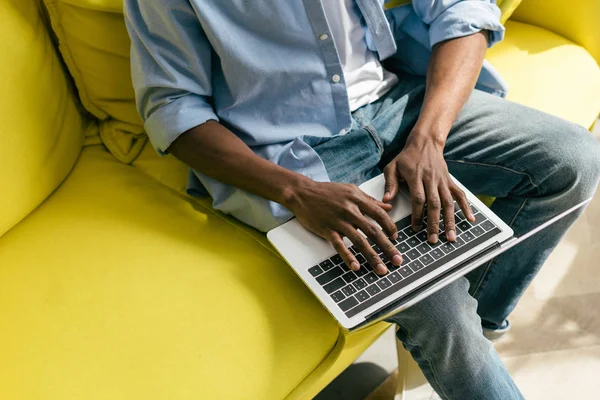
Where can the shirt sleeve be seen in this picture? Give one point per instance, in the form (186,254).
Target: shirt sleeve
(171,68)
(450,19)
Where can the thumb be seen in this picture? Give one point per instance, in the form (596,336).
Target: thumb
(391,182)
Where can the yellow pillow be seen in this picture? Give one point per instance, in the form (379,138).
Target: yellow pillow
(95,46)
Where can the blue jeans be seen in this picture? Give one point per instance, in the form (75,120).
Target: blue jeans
(535,164)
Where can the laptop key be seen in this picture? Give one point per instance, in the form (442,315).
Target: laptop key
(349,303)
(338,296)
(401,237)
(405,259)
(423,248)
(460,216)
(349,277)
(413,254)
(326,265)
(447,248)
(360,284)
(405,271)
(479,218)
(335,285)
(362,271)
(315,271)
(409,232)
(437,253)
(477,231)
(416,265)
(390,266)
(422,236)
(467,236)
(403,247)
(459,242)
(362,295)
(361,259)
(464,225)
(330,275)
(336,259)
(487,225)
(373,290)
(395,277)
(384,283)
(371,278)
(426,259)
(349,290)
(413,242)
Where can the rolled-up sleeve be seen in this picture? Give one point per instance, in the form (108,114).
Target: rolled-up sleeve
(451,19)
(171,68)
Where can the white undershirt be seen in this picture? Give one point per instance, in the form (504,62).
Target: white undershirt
(366,80)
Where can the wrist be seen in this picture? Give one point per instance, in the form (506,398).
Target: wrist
(421,135)
(290,192)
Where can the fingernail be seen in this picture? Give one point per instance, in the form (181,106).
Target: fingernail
(395,236)
(397,260)
(354,265)
(386,194)
(433,238)
(451,235)
(381,269)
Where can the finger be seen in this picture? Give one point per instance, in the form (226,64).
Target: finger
(434,206)
(448,211)
(381,204)
(390,172)
(417,199)
(376,235)
(463,203)
(361,244)
(371,208)
(338,244)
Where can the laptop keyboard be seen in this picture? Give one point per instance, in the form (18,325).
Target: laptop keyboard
(355,291)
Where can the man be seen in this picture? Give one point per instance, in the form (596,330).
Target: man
(281,107)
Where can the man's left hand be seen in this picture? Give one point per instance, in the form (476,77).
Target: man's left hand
(422,166)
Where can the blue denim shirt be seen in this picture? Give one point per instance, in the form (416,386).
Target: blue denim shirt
(268,71)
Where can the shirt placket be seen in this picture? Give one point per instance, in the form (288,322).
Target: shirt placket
(335,73)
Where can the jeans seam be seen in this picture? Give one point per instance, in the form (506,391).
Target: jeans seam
(373,132)
(489,265)
(500,167)
(433,372)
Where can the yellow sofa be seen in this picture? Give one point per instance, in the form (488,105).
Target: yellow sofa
(116,285)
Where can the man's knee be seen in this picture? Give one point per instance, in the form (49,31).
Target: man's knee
(577,162)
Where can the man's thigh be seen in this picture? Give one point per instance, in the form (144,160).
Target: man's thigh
(500,148)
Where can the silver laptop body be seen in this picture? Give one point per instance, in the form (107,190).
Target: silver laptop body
(358,299)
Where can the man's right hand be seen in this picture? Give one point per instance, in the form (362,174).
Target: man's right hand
(335,210)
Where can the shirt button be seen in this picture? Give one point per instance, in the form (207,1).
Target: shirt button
(343,132)
(336,78)
(324,36)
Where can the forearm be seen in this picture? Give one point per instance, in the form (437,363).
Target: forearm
(217,152)
(453,71)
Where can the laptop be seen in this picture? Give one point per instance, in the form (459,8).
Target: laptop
(357,299)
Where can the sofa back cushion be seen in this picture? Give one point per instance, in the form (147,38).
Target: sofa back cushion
(41,126)
(95,46)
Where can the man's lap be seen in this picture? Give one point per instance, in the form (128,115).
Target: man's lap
(493,147)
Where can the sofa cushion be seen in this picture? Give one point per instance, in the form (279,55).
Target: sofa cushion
(548,72)
(119,288)
(41,129)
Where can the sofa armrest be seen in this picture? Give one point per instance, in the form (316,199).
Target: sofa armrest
(577,21)
(41,128)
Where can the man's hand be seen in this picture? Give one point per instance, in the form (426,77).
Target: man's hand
(335,210)
(421,164)
(453,70)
